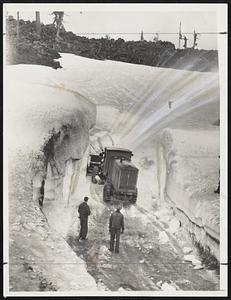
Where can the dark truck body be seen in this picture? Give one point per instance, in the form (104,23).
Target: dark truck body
(124,175)
(118,173)
(94,163)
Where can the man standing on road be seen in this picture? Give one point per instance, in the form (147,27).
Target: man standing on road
(116,226)
(84,212)
(41,193)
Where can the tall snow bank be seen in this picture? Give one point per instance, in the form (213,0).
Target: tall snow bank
(136,101)
(40,113)
(36,107)
(191,176)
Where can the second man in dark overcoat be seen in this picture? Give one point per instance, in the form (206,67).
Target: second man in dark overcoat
(116,227)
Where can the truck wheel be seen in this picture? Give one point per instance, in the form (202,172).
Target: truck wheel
(107,192)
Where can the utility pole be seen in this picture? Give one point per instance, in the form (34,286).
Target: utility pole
(180,35)
(38,24)
(195,38)
(17,28)
(142,36)
(58,21)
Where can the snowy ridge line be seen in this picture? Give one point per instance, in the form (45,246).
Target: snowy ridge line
(61,87)
(78,94)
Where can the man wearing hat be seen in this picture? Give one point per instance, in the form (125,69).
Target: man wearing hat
(116,226)
(84,212)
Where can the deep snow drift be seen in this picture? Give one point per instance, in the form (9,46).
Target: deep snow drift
(52,112)
(37,111)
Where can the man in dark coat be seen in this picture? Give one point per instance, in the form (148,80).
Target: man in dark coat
(41,193)
(116,226)
(84,212)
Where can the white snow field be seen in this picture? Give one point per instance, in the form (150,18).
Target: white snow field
(165,116)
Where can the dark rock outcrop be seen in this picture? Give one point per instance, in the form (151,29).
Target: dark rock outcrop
(42,49)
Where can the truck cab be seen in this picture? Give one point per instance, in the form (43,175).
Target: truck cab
(120,175)
(112,153)
(117,172)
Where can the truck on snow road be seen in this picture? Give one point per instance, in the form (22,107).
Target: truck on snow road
(117,172)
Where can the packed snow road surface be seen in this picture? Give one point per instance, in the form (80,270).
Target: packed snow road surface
(150,259)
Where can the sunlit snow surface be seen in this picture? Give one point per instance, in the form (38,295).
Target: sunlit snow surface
(165,116)
(140,100)
(133,100)
(134,104)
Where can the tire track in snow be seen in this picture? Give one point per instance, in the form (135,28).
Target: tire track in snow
(142,262)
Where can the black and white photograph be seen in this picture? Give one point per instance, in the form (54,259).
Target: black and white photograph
(115,152)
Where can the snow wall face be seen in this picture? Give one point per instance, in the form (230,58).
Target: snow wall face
(48,133)
(51,124)
(190,174)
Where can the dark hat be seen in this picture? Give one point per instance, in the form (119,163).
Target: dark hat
(85,199)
